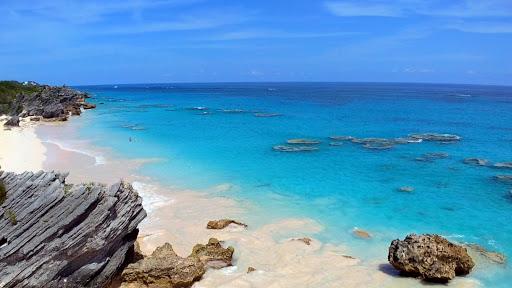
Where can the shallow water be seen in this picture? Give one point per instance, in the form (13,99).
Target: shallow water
(341,187)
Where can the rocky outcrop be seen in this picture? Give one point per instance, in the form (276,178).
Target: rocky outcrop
(55,103)
(436,137)
(164,268)
(430,257)
(223,223)
(54,234)
(14,121)
(507,179)
(213,254)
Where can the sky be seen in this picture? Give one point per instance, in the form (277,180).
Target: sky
(161,41)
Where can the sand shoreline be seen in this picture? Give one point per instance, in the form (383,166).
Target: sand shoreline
(179,217)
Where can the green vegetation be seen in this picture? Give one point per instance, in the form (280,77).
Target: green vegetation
(3,192)
(11,216)
(9,90)
(67,189)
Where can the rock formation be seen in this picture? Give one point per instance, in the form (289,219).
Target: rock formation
(164,268)
(430,257)
(223,223)
(13,121)
(437,137)
(54,234)
(503,165)
(55,103)
(361,234)
(504,178)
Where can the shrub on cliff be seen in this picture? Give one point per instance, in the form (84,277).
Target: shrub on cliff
(3,192)
(9,90)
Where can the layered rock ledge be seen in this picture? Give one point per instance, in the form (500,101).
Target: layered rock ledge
(54,234)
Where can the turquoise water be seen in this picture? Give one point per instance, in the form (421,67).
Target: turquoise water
(344,186)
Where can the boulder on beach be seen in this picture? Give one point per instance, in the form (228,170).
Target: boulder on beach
(62,235)
(14,121)
(213,255)
(223,223)
(476,161)
(164,268)
(430,257)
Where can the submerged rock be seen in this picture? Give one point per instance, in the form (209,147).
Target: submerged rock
(65,235)
(406,189)
(503,178)
(430,257)
(378,146)
(223,223)
(14,121)
(432,156)
(361,234)
(287,148)
(446,138)
(267,115)
(495,257)
(503,165)
(341,138)
(302,141)
(476,161)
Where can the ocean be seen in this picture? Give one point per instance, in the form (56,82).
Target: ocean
(223,134)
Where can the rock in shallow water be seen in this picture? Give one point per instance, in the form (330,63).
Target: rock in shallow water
(430,257)
(223,223)
(65,236)
(476,161)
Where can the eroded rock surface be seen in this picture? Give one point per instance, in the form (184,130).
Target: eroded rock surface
(164,268)
(13,121)
(430,257)
(64,235)
(223,223)
(51,103)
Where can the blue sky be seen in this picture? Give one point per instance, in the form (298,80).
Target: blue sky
(141,41)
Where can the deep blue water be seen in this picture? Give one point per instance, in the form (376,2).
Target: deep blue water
(344,186)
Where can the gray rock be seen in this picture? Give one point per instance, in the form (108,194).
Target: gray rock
(438,137)
(476,161)
(504,178)
(65,235)
(430,257)
(51,103)
(503,165)
(14,121)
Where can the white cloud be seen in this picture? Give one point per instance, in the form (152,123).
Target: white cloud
(396,8)
(348,9)
(482,27)
(267,34)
